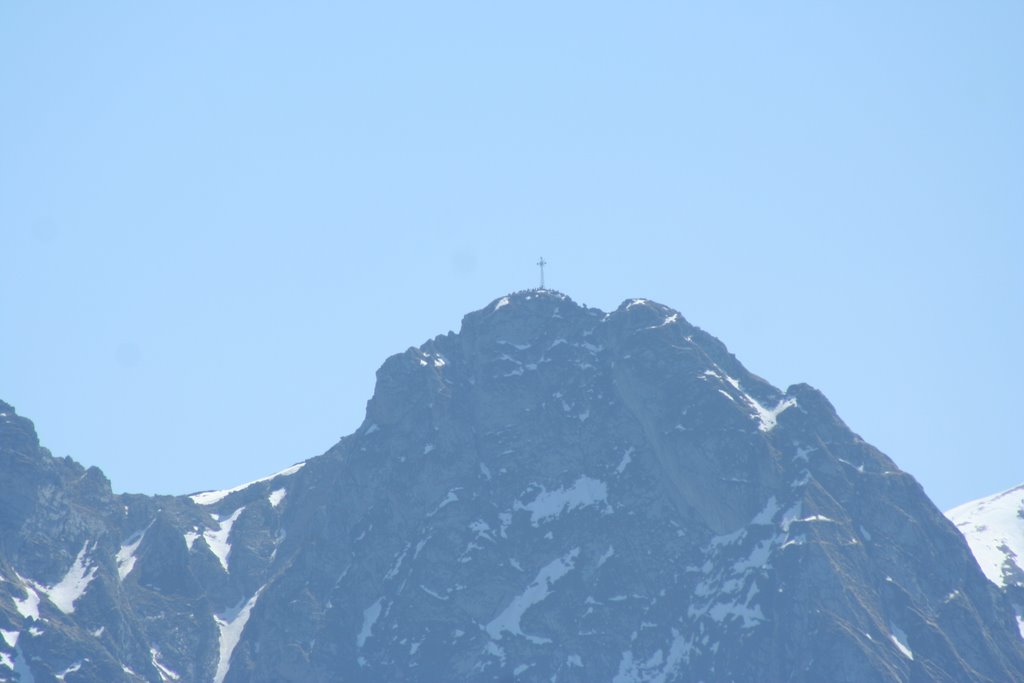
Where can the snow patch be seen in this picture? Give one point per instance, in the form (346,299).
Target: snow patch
(658,668)
(994,529)
(218,541)
(495,650)
(276,497)
(370,616)
(449,498)
(899,639)
(767,417)
(29,606)
(816,518)
(126,554)
(627,458)
(230,625)
(767,514)
(433,594)
(584,492)
(668,320)
(397,566)
(70,670)
(69,589)
(509,619)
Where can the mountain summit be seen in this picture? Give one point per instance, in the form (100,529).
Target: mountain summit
(554,493)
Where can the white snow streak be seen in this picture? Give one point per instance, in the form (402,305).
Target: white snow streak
(70,670)
(549,504)
(165,673)
(449,498)
(218,540)
(276,497)
(370,616)
(627,457)
(767,417)
(509,619)
(230,625)
(899,639)
(126,555)
(29,606)
(65,592)
(211,497)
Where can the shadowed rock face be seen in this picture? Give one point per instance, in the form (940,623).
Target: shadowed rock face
(553,493)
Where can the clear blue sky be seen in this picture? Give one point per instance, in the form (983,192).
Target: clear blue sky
(218,219)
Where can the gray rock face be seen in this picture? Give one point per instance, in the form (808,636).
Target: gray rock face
(553,493)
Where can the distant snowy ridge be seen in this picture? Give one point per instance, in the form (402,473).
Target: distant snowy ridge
(213,497)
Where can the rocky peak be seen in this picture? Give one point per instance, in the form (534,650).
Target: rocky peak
(17,434)
(551,493)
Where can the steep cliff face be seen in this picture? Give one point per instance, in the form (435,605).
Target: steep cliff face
(553,493)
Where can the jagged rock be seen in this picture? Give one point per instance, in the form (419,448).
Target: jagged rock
(553,493)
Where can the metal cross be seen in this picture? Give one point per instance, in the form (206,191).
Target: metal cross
(542,263)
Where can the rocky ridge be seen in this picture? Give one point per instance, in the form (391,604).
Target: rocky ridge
(552,493)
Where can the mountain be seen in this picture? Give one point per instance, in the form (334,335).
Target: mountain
(554,493)
(994,528)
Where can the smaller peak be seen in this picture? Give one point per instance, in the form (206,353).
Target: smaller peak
(647,313)
(629,304)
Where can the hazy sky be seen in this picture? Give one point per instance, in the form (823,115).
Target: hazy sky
(218,219)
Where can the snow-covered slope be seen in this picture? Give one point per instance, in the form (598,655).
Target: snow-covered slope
(994,528)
